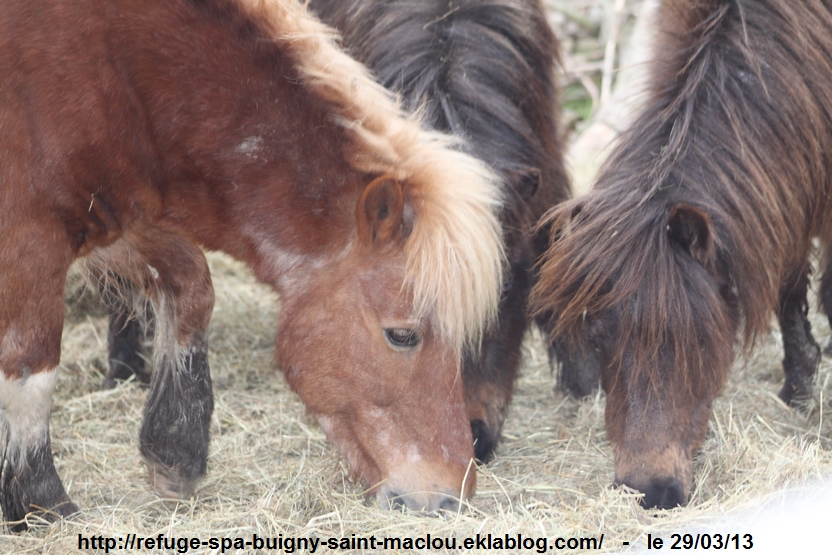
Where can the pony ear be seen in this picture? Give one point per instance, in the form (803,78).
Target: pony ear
(379,213)
(690,228)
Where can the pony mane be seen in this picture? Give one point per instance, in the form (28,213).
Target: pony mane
(734,127)
(454,254)
(508,54)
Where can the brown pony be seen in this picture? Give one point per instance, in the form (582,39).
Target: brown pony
(483,70)
(700,225)
(135,133)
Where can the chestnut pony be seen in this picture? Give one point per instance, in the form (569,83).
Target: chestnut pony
(700,226)
(135,133)
(483,70)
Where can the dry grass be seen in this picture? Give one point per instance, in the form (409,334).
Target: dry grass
(272,472)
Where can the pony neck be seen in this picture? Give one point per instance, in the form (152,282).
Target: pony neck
(250,158)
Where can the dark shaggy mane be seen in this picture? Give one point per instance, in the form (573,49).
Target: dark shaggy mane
(473,80)
(737,126)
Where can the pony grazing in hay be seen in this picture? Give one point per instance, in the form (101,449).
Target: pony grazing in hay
(700,225)
(136,133)
(483,70)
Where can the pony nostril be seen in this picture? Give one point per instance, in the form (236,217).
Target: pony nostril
(394,501)
(449,504)
(423,502)
(664,493)
(661,493)
(484,443)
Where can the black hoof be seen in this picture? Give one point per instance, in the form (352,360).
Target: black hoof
(795,395)
(174,436)
(63,510)
(33,488)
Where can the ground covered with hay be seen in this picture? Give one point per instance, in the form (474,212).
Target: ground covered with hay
(272,473)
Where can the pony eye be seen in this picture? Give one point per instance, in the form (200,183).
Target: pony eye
(402,337)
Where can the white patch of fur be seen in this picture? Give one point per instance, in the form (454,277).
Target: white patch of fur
(12,345)
(284,264)
(250,146)
(280,261)
(25,406)
(413,455)
(455,254)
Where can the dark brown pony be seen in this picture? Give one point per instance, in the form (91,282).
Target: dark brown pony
(135,133)
(483,70)
(700,226)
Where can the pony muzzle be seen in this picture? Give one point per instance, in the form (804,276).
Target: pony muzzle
(428,489)
(665,492)
(427,502)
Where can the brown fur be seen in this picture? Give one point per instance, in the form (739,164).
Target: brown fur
(457,228)
(486,71)
(137,133)
(700,223)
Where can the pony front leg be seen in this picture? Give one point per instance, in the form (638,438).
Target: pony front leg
(174,435)
(802,353)
(32,274)
(29,480)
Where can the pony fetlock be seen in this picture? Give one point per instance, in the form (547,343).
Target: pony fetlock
(174,435)
(28,480)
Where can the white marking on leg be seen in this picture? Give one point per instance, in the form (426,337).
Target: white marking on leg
(25,406)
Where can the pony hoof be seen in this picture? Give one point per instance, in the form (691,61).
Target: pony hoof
(62,510)
(168,483)
(797,397)
(484,441)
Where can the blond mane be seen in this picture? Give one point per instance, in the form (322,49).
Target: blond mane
(454,255)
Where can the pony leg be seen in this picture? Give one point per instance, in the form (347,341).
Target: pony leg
(826,300)
(31,322)
(174,435)
(29,481)
(127,332)
(802,353)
